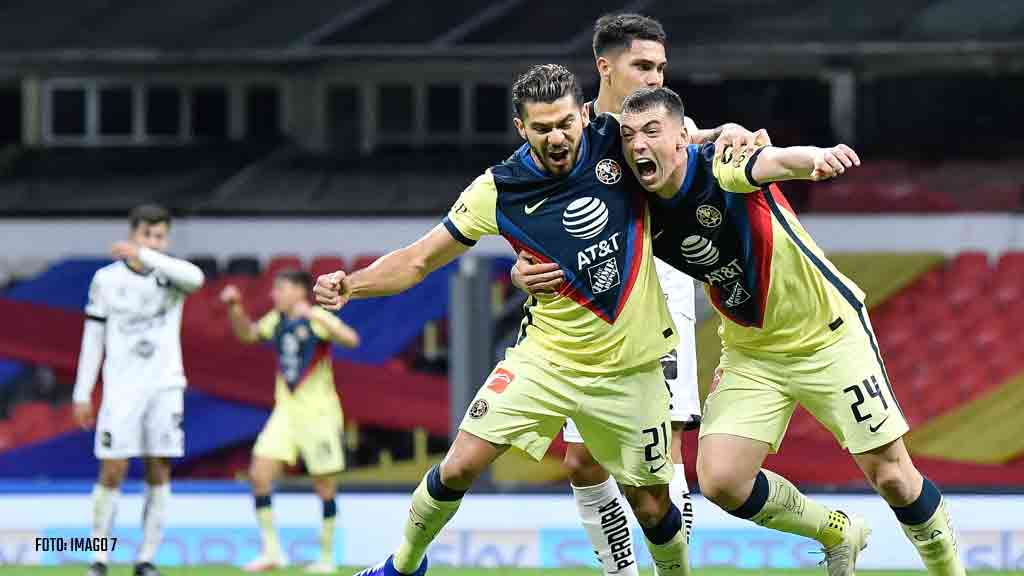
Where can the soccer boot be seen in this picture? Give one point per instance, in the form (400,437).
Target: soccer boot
(321,567)
(841,559)
(146,569)
(387,568)
(264,563)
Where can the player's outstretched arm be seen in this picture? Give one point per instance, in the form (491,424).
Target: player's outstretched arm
(243,326)
(802,163)
(337,331)
(392,273)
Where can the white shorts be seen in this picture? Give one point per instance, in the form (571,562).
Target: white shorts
(147,424)
(681,377)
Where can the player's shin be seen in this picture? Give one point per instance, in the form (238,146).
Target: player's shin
(104,508)
(433,505)
(602,510)
(776,503)
(330,513)
(679,492)
(153,520)
(667,543)
(927,525)
(268,534)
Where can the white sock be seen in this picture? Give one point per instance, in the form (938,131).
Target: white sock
(104,508)
(603,513)
(679,492)
(153,520)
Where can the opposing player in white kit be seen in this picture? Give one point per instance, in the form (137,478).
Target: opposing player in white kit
(134,317)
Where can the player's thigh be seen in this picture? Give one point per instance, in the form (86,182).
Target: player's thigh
(163,423)
(624,420)
(275,441)
(846,388)
(120,426)
(524,403)
(319,442)
(751,401)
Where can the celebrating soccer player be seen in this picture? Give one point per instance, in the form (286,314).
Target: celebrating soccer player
(307,417)
(133,317)
(629,50)
(794,330)
(564,196)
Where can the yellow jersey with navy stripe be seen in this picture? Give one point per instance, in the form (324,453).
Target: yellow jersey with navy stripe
(305,374)
(770,282)
(594,222)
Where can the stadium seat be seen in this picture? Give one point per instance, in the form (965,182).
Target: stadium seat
(325,265)
(283,262)
(243,266)
(363,261)
(208,264)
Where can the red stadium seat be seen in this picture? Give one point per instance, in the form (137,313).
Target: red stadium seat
(970,265)
(325,265)
(282,262)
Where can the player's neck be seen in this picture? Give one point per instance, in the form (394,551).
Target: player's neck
(607,101)
(677,177)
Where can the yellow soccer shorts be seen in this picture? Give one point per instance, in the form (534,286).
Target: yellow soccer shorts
(623,417)
(844,386)
(315,434)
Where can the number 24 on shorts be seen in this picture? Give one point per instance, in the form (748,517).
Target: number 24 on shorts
(874,391)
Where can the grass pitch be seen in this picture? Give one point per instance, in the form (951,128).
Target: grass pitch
(445,571)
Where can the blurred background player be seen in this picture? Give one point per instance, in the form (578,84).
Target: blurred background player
(133,319)
(630,54)
(307,419)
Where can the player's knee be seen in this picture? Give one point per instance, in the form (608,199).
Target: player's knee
(158,472)
(720,483)
(261,478)
(649,504)
(458,473)
(325,488)
(892,483)
(112,473)
(583,469)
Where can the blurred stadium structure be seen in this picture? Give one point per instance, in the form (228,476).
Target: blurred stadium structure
(319,134)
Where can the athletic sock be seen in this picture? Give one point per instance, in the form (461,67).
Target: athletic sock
(153,520)
(667,544)
(104,508)
(679,492)
(927,525)
(776,503)
(602,510)
(433,505)
(268,535)
(330,513)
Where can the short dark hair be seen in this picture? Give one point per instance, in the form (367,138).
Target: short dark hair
(618,31)
(297,277)
(544,83)
(150,214)
(645,99)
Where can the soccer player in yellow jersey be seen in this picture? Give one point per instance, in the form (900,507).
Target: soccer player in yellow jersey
(307,417)
(794,329)
(591,352)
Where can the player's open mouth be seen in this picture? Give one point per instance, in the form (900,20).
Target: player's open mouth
(646,168)
(559,156)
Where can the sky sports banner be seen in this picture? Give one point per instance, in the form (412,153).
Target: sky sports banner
(522,530)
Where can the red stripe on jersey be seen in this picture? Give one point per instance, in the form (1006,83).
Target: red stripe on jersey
(759,214)
(780,198)
(636,258)
(323,349)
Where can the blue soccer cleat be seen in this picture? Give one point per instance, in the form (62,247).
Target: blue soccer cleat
(387,568)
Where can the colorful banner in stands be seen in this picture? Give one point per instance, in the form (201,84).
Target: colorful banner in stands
(490,530)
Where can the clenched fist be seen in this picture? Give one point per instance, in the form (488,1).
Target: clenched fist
(832,162)
(230,295)
(332,290)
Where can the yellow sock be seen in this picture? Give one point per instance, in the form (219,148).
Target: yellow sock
(936,543)
(427,516)
(671,558)
(327,541)
(788,510)
(265,518)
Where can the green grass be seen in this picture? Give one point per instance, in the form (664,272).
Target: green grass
(234,571)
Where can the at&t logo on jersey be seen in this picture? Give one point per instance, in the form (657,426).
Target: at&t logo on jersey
(585,218)
(699,250)
(608,171)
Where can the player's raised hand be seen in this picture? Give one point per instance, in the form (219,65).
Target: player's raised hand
(124,250)
(230,295)
(81,412)
(332,290)
(740,139)
(832,162)
(536,278)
